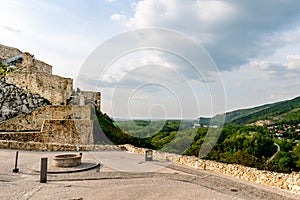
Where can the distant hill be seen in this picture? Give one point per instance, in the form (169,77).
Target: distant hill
(280,111)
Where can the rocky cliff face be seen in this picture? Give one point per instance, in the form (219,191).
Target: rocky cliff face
(14,101)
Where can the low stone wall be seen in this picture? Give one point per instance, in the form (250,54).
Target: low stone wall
(40,146)
(289,182)
(22,136)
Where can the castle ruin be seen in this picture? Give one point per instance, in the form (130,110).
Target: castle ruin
(37,106)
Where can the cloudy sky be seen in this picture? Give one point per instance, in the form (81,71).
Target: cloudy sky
(202,57)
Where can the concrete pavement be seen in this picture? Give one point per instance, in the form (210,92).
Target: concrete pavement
(123,176)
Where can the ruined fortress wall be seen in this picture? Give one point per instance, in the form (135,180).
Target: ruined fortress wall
(30,64)
(8,52)
(68,131)
(14,101)
(34,120)
(54,88)
(87,97)
(42,67)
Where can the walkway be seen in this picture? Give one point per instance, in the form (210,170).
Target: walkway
(124,176)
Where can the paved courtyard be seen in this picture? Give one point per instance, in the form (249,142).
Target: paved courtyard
(123,175)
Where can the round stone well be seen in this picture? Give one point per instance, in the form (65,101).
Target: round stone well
(67,160)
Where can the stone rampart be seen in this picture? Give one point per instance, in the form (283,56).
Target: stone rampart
(57,90)
(8,52)
(73,132)
(40,66)
(35,119)
(15,101)
(26,62)
(86,97)
(68,131)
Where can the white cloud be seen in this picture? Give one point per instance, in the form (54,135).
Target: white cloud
(288,69)
(110,1)
(118,17)
(232,31)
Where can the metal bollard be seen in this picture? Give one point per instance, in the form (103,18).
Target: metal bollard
(43,174)
(16,169)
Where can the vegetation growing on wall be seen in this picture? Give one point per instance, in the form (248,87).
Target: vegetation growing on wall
(4,70)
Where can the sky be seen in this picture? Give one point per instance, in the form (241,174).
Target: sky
(164,58)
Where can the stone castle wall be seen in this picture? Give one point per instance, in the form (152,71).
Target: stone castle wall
(54,88)
(86,97)
(27,63)
(8,52)
(14,101)
(36,76)
(35,119)
(75,132)
(30,64)
(68,131)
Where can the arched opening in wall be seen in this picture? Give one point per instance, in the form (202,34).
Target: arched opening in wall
(90,102)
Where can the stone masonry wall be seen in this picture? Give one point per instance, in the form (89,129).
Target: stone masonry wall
(86,97)
(54,88)
(40,66)
(15,101)
(22,137)
(28,62)
(74,132)
(8,52)
(40,146)
(35,119)
(68,131)
(289,182)
(32,65)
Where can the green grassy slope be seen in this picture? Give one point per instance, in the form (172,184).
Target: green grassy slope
(279,111)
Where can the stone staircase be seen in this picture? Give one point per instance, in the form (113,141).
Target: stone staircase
(48,127)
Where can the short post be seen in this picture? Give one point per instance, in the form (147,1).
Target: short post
(98,168)
(43,174)
(16,169)
(196,166)
(148,155)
